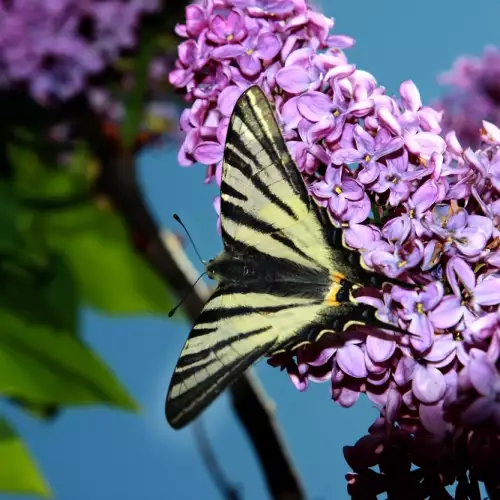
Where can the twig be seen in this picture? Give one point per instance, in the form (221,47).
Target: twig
(118,181)
(227,491)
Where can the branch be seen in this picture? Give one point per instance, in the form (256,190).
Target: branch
(164,253)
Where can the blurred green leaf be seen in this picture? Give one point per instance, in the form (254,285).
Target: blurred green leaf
(21,244)
(47,412)
(42,366)
(49,299)
(41,181)
(18,471)
(10,237)
(111,277)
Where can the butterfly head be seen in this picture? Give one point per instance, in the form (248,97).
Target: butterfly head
(210,270)
(219,267)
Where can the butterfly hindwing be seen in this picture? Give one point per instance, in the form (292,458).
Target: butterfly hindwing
(278,281)
(236,327)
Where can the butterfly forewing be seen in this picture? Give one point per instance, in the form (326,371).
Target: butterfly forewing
(264,201)
(275,275)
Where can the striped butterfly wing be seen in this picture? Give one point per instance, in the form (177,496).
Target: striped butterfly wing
(276,278)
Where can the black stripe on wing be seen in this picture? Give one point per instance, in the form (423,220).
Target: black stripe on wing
(232,159)
(239,216)
(180,409)
(269,136)
(189,359)
(223,313)
(231,191)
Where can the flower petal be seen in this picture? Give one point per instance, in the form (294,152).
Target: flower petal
(448,313)
(352,361)
(314,105)
(293,79)
(422,331)
(487,293)
(379,349)
(208,152)
(482,375)
(428,384)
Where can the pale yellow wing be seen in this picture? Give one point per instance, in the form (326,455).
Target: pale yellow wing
(264,201)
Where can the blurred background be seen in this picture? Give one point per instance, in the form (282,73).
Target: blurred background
(86,348)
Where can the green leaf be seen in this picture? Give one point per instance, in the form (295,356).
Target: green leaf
(39,182)
(47,412)
(10,236)
(111,277)
(18,470)
(21,245)
(47,298)
(46,367)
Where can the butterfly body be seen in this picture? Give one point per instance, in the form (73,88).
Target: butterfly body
(282,279)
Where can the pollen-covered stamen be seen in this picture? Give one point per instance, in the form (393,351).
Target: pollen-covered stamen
(495,243)
(393,179)
(229,37)
(338,189)
(250,51)
(443,221)
(420,308)
(466,297)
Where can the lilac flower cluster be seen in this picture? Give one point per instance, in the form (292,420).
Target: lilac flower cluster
(474,95)
(418,206)
(53,47)
(417,465)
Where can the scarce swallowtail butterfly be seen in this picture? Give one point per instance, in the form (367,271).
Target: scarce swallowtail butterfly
(281,279)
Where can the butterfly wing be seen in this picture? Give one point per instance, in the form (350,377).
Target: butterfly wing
(235,329)
(275,274)
(264,201)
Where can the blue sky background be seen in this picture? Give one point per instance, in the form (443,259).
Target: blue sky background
(101,454)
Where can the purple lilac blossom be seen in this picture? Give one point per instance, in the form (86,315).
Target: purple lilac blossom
(364,153)
(54,47)
(473,95)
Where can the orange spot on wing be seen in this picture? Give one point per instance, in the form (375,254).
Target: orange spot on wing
(331,298)
(337,277)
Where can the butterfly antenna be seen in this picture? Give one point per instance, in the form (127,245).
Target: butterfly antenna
(178,219)
(186,295)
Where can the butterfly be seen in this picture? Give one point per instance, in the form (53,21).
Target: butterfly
(282,279)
